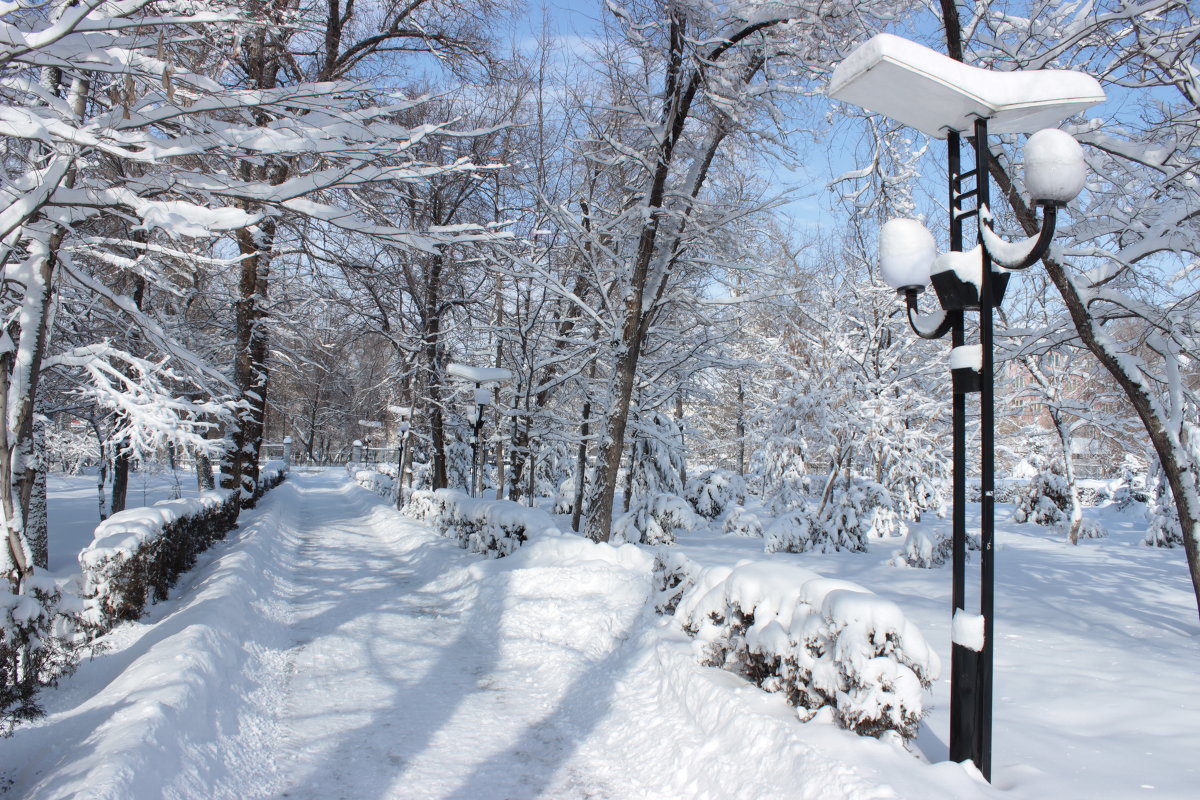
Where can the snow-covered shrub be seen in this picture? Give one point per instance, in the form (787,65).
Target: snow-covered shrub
(924,549)
(1047,499)
(823,643)
(656,457)
(785,483)
(653,520)
(929,549)
(136,555)
(458,465)
(741,522)
(672,579)
(553,468)
(36,647)
(1090,529)
(795,531)
(564,498)
(714,491)
(865,509)
(1164,529)
(846,523)
(494,528)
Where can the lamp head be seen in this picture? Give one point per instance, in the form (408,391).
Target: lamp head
(906,254)
(1055,170)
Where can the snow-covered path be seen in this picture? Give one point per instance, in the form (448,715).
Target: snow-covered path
(335,649)
(412,675)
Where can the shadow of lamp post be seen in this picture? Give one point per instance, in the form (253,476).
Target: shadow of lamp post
(946,99)
(483,398)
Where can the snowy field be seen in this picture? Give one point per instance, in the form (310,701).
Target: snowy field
(75,507)
(332,648)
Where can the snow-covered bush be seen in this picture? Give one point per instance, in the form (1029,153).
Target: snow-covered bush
(564,498)
(784,474)
(1047,499)
(741,522)
(494,528)
(865,509)
(656,457)
(553,469)
(846,523)
(714,491)
(672,579)
(458,465)
(136,555)
(653,520)
(929,549)
(1090,529)
(823,643)
(924,549)
(36,647)
(1164,529)
(795,531)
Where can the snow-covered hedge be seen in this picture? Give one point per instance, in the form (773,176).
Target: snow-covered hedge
(494,528)
(271,475)
(377,478)
(137,554)
(822,642)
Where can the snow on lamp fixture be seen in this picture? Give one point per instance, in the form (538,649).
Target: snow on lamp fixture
(906,252)
(1055,170)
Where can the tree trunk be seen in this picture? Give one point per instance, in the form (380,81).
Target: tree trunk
(741,427)
(1075,512)
(250,369)
(38,520)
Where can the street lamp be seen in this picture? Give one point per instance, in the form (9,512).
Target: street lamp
(945,98)
(405,427)
(483,397)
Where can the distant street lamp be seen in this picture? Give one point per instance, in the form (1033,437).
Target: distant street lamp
(945,98)
(483,397)
(405,427)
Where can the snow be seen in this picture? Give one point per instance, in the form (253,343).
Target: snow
(1003,252)
(968,356)
(178,218)
(967,265)
(906,251)
(331,647)
(968,630)
(1054,166)
(479,374)
(933,93)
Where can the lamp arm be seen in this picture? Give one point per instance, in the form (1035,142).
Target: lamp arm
(940,329)
(993,243)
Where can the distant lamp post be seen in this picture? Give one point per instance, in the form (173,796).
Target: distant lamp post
(945,98)
(404,414)
(483,398)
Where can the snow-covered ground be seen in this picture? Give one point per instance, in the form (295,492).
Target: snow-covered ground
(332,648)
(75,507)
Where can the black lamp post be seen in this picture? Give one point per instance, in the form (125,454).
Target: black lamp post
(405,428)
(945,98)
(482,398)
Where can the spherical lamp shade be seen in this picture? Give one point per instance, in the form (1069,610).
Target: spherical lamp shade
(906,253)
(1055,171)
